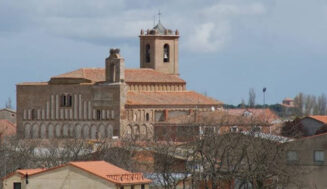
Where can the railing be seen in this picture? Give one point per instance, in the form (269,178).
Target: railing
(127,177)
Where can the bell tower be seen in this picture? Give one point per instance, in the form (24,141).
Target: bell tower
(159,49)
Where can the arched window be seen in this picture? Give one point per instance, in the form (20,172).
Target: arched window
(147,53)
(166,53)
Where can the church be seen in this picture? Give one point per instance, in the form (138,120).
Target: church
(112,102)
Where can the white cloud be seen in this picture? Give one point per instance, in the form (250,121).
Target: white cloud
(208,37)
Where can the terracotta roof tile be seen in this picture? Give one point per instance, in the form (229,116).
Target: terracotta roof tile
(320,118)
(261,113)
(215,118)
(101,169)
(29,171)
(142,75)
(169,98)
(150,75)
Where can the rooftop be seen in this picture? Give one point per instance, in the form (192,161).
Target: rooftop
(93,75)
(169,98)
(101,169)
(321,118)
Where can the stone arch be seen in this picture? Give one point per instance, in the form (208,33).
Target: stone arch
(50,131)
(136,131)
(128,132)
(86,131)
(93,132)
(27,131)
(35,131)
(149,131)
(43,130)
(143,131)
(78,131)
(58,131)
(65,131)
(109,131)
(71,131)
(101,132)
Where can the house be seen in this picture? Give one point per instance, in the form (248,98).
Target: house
(199,123)
(288,102)
(88,175)
(8,114)
(96,103)
(309,155)
(311,124)
(7,129)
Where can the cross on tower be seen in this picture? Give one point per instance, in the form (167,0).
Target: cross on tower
(159,14)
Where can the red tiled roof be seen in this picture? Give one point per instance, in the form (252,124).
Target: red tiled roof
(169,98)
(101,169)
(320,118)
(216,118)
(261,113)
(142,75)
(7,128)
(29,171)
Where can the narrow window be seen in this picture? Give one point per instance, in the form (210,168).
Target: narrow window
(69,100)
(62,100)
(122,187)
(17,185)
(132,187)
(98,114)
(66,100)
(147,53)
(166,53)
(142,186)
(147,117)
(33,116)
(319,156)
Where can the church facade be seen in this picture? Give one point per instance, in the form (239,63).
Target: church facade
(95,103)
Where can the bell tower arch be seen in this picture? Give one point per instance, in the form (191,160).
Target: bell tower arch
(159,49)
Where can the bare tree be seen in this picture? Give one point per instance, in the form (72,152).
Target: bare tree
(299,104)
(8,103)
(252,96)
(322,104)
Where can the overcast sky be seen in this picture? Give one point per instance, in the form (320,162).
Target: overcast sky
(226,47)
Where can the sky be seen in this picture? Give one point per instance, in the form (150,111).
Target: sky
(226,46)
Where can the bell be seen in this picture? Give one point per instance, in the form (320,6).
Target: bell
(166,55)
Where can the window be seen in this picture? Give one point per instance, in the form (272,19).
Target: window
(66,100)
(166,53)
(98,114)
(256,129)
(292,156)
(147,117)
(122,187)
(319,156)
(234,129)
(147,53)
(142,186)
(132,187)
(33,114)
(17,185)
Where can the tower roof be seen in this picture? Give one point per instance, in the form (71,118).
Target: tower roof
(160,28)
